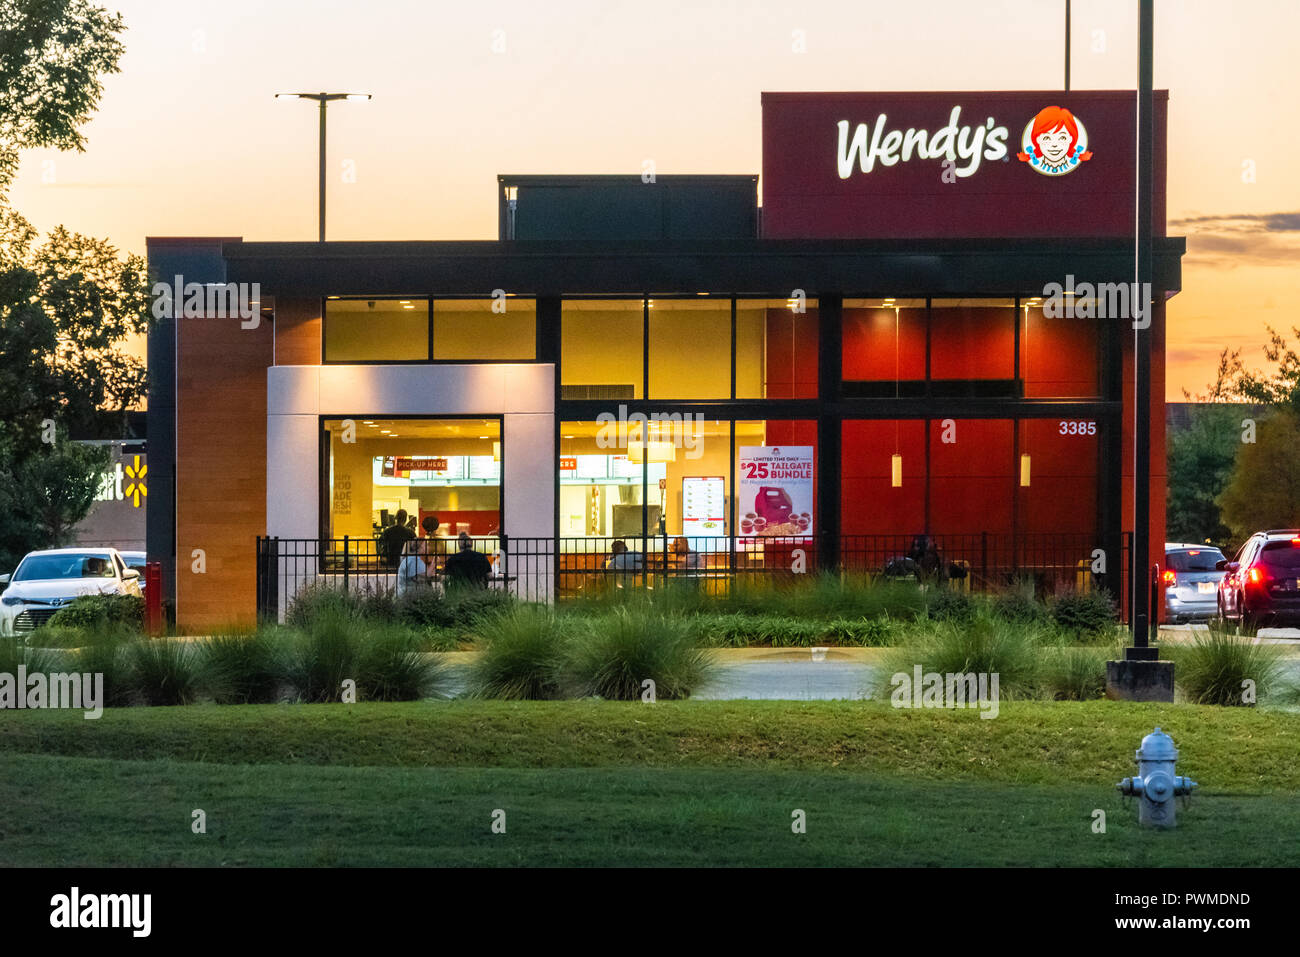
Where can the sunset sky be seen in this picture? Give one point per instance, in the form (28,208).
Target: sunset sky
(189,141)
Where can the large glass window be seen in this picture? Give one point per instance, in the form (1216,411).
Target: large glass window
(448,469)
(1059,357)
(776,349)
(477,329)
(884,347)
(690,348)
(376,330)
(602,343)
(972,344)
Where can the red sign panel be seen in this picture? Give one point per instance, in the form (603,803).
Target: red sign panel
(422,464)
(955,165)
(568,463)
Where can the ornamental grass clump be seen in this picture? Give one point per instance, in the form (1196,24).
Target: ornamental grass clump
(623,649)
(391,666)
(520,654)
(241,667)
(165,671)
(1226,669)
(984,644)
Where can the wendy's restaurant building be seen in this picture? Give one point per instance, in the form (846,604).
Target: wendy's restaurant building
(914,358)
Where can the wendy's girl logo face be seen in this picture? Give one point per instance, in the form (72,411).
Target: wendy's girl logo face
(1054,142)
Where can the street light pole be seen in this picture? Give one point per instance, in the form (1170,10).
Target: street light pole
(1143,615)
(324,100)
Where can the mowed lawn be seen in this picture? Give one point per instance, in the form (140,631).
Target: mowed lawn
(708,783)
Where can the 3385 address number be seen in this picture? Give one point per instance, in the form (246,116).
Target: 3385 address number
(1074,427)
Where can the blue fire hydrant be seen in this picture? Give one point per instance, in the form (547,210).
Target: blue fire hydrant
(1156,785)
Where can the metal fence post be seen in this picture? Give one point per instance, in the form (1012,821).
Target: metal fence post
(346,539)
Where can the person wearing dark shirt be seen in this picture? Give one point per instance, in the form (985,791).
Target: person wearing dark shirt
(467,568)
(395,537)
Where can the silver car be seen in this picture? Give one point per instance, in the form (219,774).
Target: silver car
(1191,582)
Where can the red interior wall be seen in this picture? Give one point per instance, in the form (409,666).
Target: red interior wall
(869,504)
(1059,357)
(869,339)
(1062,493)
(972,479)
(972,343)
(791,355)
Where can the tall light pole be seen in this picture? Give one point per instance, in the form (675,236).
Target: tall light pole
(324,100)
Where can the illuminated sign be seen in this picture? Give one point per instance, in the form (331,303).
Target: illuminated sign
(950,143)
(404,463)
(1054,142)
(568,463)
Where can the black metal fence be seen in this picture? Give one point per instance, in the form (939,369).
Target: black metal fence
(549,569)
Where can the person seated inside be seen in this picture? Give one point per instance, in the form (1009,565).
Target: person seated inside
(467,568)
(394,538)
(620,559)
(684,557)
(414,568)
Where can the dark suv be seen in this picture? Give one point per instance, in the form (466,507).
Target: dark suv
(1262,584)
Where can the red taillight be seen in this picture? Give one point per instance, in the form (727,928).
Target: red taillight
(1170,577)
(1255,576)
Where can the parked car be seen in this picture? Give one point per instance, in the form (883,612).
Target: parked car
(1262,584)
(45,581)
(1191,579)
(137,561)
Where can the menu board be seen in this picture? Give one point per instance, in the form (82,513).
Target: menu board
(775,490)
(484,467)
(704,505)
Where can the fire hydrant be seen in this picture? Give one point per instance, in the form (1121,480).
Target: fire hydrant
(1156,785)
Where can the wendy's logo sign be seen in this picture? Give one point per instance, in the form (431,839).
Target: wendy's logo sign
(1054,142)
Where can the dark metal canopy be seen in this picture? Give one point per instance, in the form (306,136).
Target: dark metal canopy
(911,268)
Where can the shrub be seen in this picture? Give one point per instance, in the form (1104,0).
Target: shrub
(1083,614)
(1018,604)
(982,644)
(241,668)
(465,606)
(165,671)
(91,611)
(949,604)
(625,647)
(1213,668)
(319,600)
(421,608)
(827,596)
(521,652)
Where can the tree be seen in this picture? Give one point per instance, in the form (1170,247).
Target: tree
(1264,491)
(1201,460)
(53,54)
(95,300)
(45,494)
(1279,389)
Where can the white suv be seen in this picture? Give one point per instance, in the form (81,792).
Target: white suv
(48,580)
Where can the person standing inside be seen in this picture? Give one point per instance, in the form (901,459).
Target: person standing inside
(395,537)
